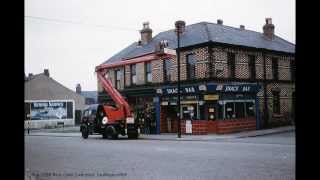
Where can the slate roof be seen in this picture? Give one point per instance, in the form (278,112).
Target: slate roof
(205,32)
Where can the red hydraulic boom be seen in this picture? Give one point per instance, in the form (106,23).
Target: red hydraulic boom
(123,110)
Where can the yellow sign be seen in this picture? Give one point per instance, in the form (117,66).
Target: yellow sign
(211,97)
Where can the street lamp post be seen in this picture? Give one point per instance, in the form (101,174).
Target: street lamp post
(179,25)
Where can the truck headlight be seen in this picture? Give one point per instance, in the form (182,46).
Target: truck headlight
(104,120)
(130,120)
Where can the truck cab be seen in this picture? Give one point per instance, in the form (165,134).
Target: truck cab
(95,120)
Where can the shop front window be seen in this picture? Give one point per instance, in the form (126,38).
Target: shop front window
(229,110)
(250,109)
(189,111)
(239,110)
(220,110)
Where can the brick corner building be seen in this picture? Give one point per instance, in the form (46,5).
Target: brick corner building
(232,79)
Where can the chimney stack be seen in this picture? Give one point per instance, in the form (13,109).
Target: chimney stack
(78,89)
(180,26)
(146,33)
(268,29)
(46,72)
(219,21)
(241,27)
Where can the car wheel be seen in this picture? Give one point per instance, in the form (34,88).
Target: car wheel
(84,132)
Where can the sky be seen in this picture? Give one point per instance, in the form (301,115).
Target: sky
(72,37)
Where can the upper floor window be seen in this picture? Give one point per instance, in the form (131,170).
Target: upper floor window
(293,70)
(231,65)
(166,70)
(191,66)
(276,102)
(133,74)
(252,67)
(118,78)
(148,71)
(275,69)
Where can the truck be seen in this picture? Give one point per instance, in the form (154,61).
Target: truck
(109,120)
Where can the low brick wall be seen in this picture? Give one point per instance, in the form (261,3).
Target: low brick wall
(202,127)
(235,125)
(212,126)
(199,127)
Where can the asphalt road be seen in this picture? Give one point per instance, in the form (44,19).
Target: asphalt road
(264,157)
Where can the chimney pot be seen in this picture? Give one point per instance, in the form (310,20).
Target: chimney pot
(46,72)
(78,89)
(268,29)
(219,21)
(180,26)
(242,27)
(146,33)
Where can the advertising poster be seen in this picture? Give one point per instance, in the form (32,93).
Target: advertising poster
(48,110)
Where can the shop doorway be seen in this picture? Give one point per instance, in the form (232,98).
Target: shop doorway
(171,119)
(146,116)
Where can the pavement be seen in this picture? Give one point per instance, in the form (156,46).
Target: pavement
(74,131)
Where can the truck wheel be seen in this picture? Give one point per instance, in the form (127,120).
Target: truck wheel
(110,133)
(84,132)
(133,135)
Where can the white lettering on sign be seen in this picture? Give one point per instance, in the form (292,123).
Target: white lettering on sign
(172,91)
(202,88)
(190,90)
(40,104)
(246,88)
(232,88)
(219,88)
(55,104)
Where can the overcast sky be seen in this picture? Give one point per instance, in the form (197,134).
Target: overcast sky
(71,37)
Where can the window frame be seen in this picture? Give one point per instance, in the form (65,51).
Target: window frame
(293,70)
(148,72)
(133,74)
(191,66)
(117,78)
(166,70)
(275,68)
(252,67)
(276,102)
(231,58)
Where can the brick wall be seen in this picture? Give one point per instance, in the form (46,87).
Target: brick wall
(212,126)
(157,71)
(235,125)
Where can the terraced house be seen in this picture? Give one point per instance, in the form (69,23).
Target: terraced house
(232,79)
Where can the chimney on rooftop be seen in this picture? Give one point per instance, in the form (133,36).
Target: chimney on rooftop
(146,33)
(46,72)
(241,27)
(180,26)
(219,21)
(268,29)
(78,89)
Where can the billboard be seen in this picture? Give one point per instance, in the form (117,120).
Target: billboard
(46,110)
